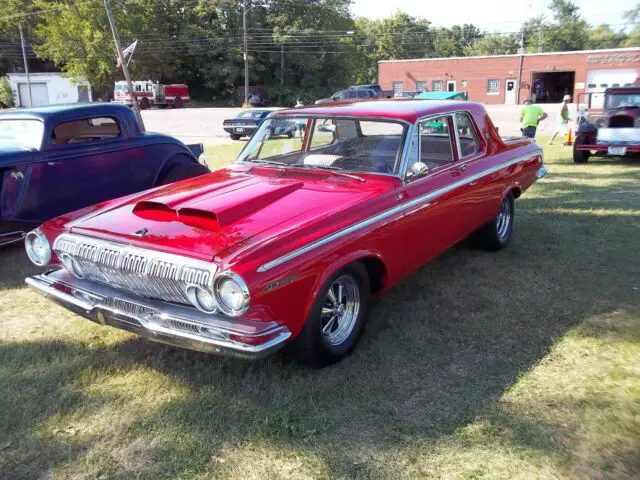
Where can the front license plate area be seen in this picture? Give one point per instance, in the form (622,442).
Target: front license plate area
(617,151)
(239,130)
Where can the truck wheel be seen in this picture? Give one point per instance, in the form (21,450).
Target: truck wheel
(337,319)
(177,103)
(179,168)
(144,104)
(496,234)
(234,136)
(580,156)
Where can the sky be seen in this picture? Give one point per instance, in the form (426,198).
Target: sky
(498,15)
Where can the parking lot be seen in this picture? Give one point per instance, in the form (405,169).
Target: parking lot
(204,125)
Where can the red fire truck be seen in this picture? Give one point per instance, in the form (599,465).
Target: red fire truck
(150,93)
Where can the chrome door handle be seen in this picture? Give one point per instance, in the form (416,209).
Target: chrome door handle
(17,176)
(463,167)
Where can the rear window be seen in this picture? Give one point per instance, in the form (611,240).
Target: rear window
(256,115)
(21,133)
(85,130)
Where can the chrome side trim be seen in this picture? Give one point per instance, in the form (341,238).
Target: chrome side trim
(429,197)
(160,321)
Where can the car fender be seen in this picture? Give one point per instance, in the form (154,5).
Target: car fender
(341,262)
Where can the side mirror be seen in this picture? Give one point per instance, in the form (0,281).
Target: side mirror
(418,170)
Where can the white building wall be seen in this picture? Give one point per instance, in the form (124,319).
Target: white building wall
(59,89)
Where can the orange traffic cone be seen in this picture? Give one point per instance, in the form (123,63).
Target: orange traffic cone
(568,140)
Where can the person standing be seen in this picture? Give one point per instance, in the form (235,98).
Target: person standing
(530,116)
(562,122)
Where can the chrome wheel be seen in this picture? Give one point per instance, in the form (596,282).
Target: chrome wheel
(340,310)
(503,220)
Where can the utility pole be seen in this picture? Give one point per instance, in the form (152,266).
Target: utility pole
(125,68)
(521,52)
(26,66)
(245,53)
(281,67)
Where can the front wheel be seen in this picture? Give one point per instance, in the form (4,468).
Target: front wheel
(497,233)
(234,136)
(580,156)
(336,320)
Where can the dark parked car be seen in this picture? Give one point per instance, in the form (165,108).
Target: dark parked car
(248,121)
(380,93)
(349,94)
(617,132)
(58,159)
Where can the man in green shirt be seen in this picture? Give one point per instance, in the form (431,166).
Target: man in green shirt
(530,116)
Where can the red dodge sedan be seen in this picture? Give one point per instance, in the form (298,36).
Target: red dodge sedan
(287,246)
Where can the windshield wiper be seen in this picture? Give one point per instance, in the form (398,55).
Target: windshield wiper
(337,170)
(268,162)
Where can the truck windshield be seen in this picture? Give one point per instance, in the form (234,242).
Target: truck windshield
(21,133)
(370,146)
(619,100)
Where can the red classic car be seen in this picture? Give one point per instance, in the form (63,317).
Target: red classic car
(288,245)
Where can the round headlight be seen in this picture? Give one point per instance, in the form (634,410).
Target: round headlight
(232,294)
(38,248)
(202,299)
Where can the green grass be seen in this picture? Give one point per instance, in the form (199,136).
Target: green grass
(518,364)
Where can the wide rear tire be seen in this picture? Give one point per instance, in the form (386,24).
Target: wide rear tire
(580,156)
(179,168)
(496,234)
(336,320)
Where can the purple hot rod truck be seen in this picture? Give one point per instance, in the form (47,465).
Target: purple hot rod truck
(57,159)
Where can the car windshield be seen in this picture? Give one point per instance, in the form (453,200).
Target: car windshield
(256,115)
(21,133)
(619,100)
(369,146)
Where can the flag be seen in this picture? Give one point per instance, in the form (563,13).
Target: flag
(127,52)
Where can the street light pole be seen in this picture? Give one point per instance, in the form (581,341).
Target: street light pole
(125,68)
(245,54)
(26,66)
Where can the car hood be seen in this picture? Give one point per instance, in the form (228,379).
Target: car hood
(204,216)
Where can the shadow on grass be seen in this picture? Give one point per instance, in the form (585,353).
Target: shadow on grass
(15,266)
(441,349)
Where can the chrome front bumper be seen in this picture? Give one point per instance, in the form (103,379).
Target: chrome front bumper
(161,321)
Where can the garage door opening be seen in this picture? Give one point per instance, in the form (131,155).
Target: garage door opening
(550,87)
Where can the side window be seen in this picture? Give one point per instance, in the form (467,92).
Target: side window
(436,147)
(85,130)
(324,133)
(469,144)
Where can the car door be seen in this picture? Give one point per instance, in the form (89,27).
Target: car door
(85,162)
(431,203)
(482,187)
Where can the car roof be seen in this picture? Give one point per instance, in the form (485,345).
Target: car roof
(65,111)
(407,109)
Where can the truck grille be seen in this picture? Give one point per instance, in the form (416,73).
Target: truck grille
(143,272)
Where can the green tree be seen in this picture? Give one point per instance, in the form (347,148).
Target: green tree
(633,37)
(494,45)
(569,30)
(6,95)
(603,36)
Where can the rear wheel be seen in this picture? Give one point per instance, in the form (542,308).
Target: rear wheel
(580,156)
(290,133)
(179,168)
(144,104)
(497,233)
(337,319)
(177,103)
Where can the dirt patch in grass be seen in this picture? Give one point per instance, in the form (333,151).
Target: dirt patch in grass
(517,364)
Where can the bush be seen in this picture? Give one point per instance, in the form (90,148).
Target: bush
(6,95)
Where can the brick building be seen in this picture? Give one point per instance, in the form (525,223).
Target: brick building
(510,79)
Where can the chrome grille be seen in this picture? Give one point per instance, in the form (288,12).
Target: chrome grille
(140,271)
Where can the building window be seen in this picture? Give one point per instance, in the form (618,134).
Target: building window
(437,85)
(493,87)
(397,87)
(421,85)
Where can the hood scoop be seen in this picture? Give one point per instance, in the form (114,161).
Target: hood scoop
(217,211)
